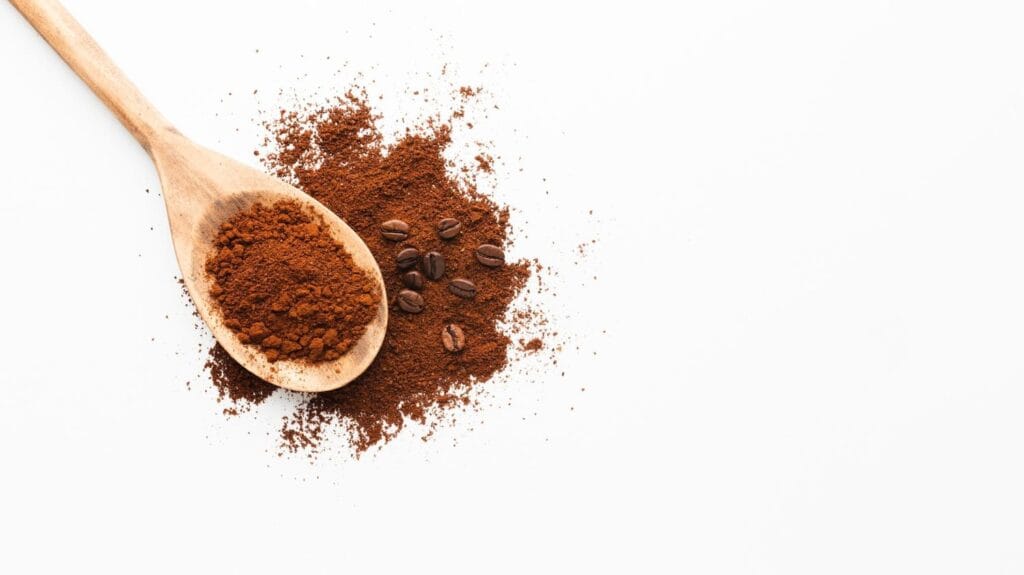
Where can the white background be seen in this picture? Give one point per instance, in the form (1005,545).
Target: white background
(801,354)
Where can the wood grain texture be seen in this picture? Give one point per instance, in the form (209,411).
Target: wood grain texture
(201,189)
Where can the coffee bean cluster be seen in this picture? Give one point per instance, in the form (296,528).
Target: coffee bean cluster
(432,267)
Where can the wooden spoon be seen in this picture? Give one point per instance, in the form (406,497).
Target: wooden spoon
(201,190)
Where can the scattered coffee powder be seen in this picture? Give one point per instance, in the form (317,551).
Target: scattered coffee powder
(285,285)
(336,154)
(234,384)
(535,344)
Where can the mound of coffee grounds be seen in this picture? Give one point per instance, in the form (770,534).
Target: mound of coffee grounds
(285,285)
(448,297)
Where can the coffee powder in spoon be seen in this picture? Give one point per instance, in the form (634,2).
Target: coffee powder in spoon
(286,287)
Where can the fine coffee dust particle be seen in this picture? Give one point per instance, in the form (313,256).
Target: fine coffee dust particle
(336,154)
(484,163)
(535,344)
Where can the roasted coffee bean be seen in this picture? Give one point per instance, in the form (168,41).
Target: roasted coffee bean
(490,255)
(448,228)
(433,265)
(413,280)
(453,338)
(407,258)
(410,301)
(462,288)
(394,230)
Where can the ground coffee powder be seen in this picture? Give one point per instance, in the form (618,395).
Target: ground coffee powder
(336,154)
(285,285)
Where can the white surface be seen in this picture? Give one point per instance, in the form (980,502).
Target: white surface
(820,373)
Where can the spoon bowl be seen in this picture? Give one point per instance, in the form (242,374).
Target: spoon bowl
(202,189)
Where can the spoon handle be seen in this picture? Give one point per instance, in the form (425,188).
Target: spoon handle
(91,63)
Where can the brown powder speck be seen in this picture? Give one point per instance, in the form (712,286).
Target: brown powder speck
(484,162)
(534,344)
